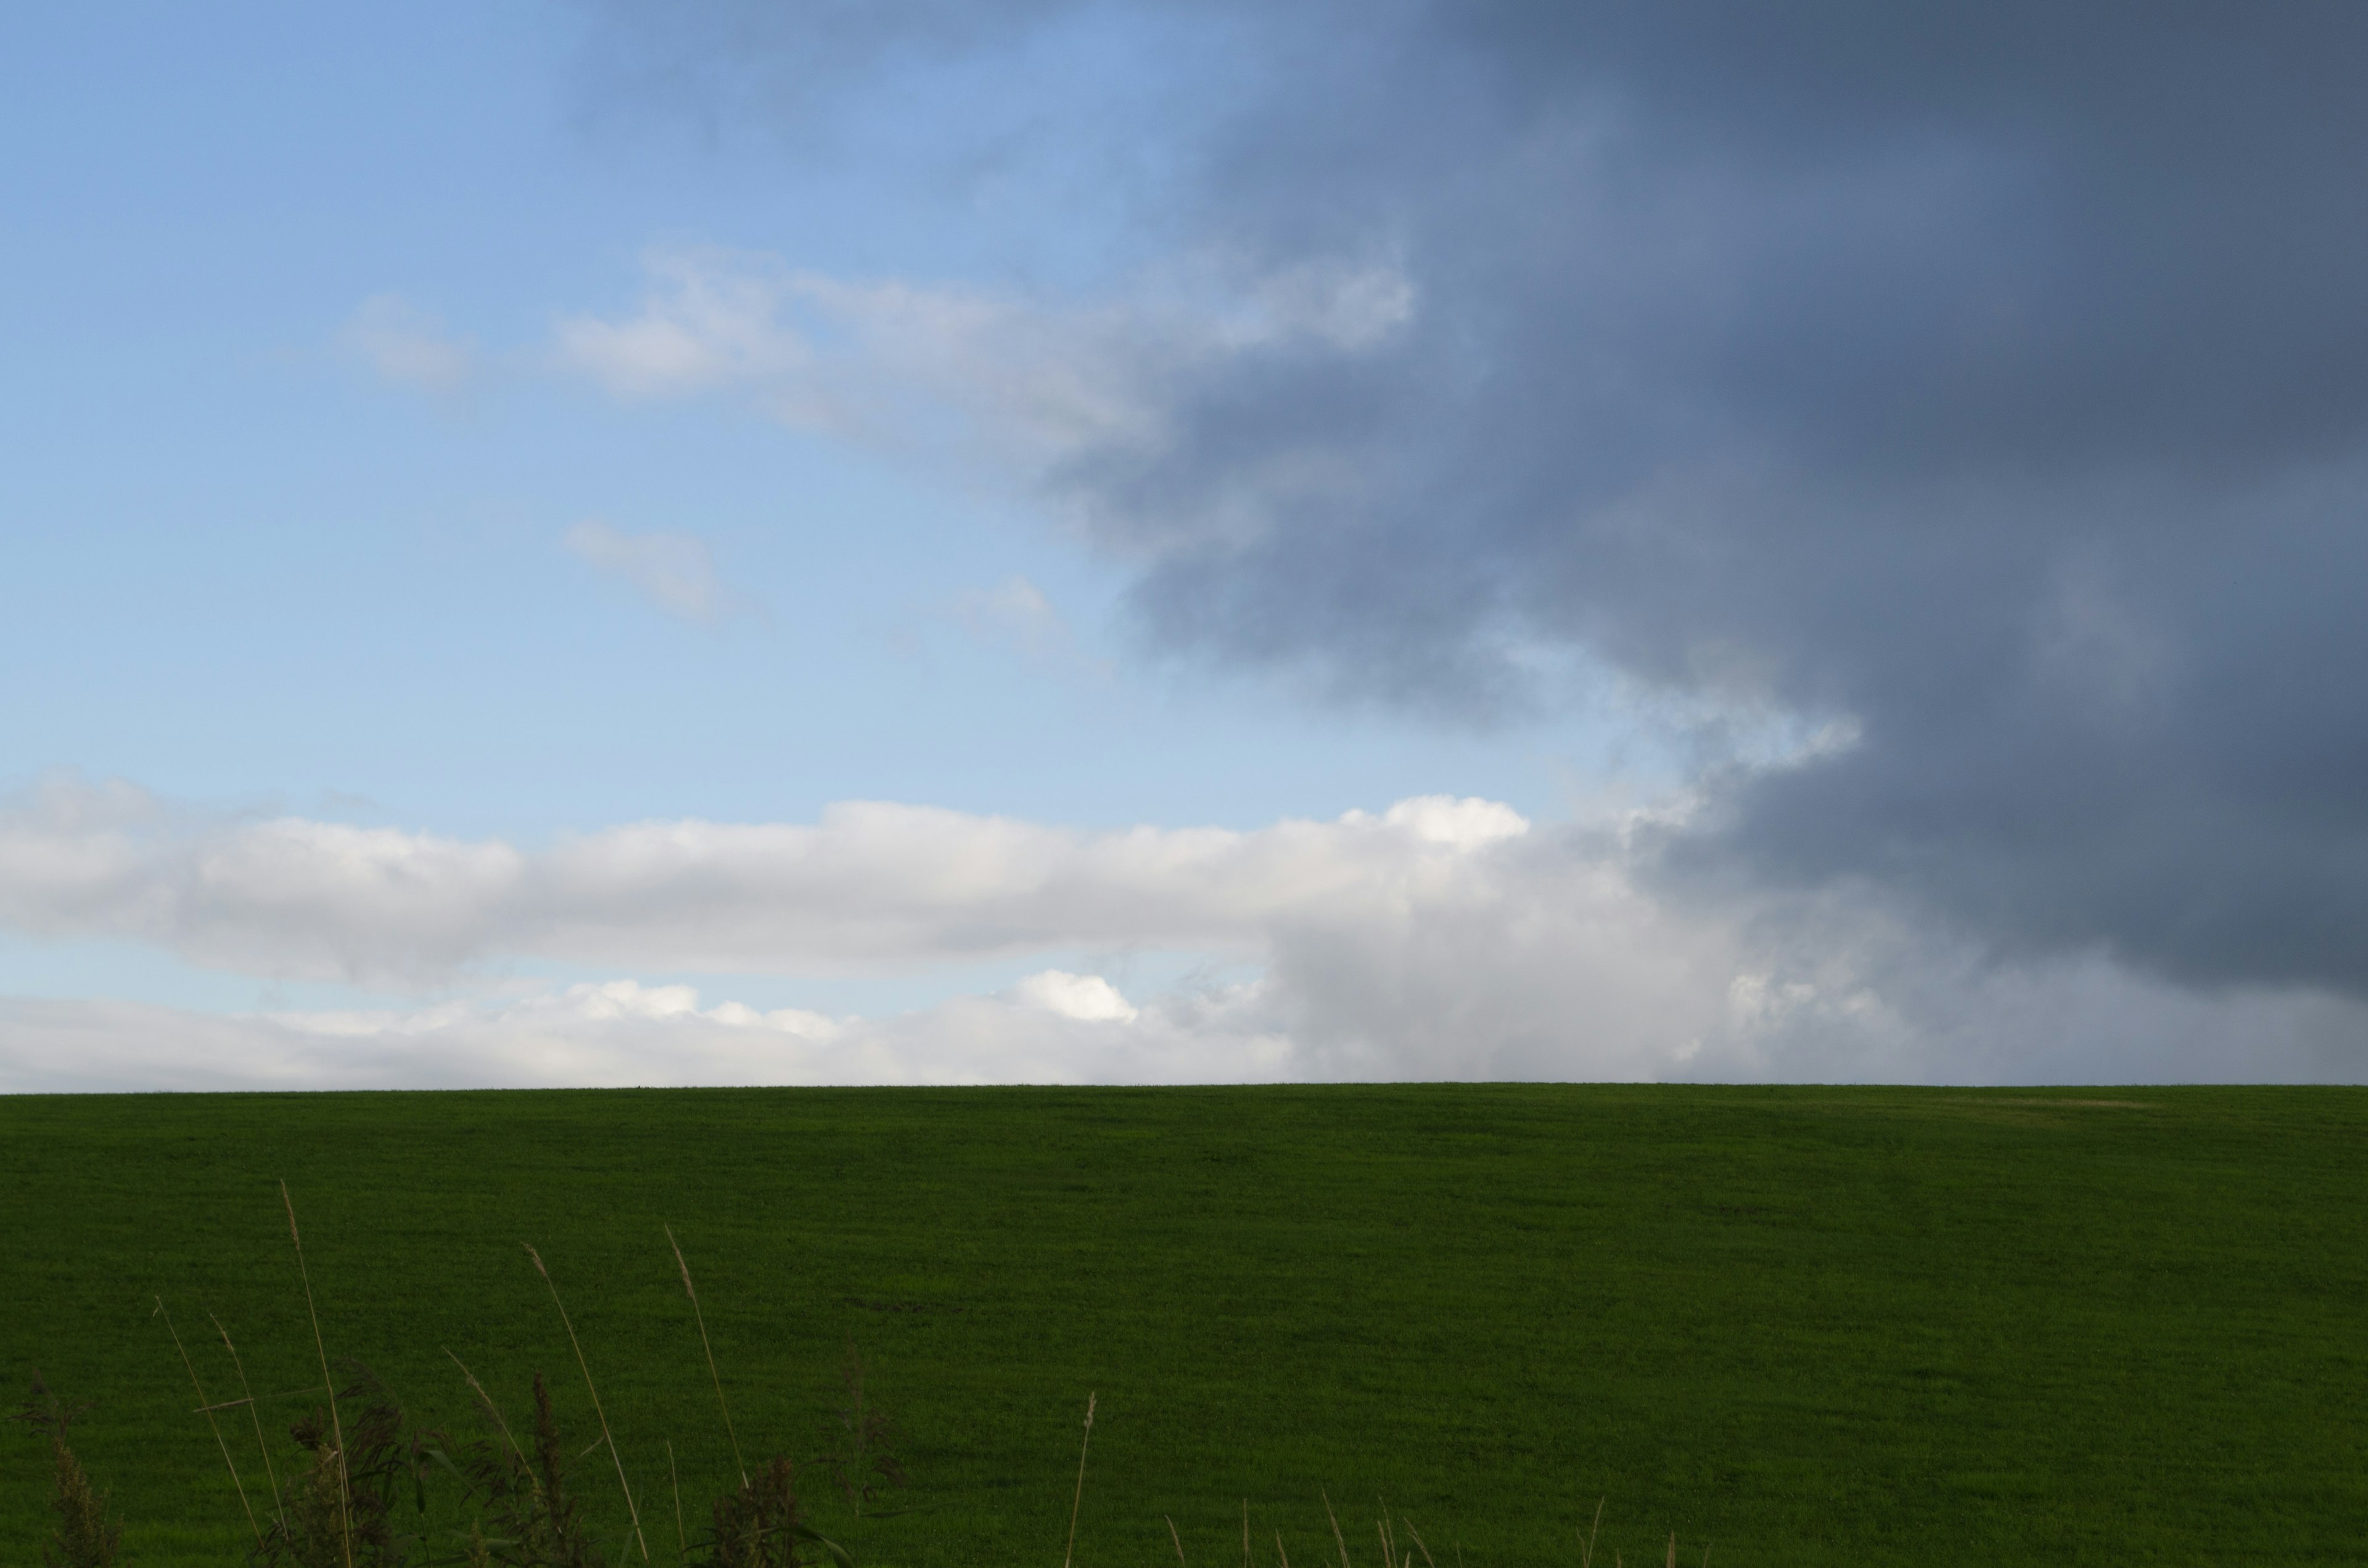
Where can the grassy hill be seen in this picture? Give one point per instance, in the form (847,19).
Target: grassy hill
(1810,1325)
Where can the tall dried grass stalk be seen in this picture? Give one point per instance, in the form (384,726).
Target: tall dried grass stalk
(701,1318)
(1178,1540)
(1417,1540)
(1280,1555)
(605,1436)
(1078,1501)
(337,1426)
(279,1508)
(207,1410)
(500,1425)
(1339,1539)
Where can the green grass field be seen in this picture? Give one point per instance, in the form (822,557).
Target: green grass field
(1809,1324)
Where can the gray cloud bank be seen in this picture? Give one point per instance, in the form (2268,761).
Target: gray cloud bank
(1993,379)
(1440,938)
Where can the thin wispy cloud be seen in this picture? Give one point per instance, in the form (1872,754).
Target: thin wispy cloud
(1015,614)
(993,379)
(673,571)
(410,347)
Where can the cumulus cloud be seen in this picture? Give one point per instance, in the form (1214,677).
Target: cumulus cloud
(1992,381)
(410,347)
(870,886)
(674,572)
(1441,938)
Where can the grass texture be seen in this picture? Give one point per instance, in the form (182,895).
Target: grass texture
(1805,1324)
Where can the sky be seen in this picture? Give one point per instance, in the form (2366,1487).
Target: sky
(572,543)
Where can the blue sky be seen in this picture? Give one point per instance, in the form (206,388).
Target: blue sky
(266,575)
(501,425)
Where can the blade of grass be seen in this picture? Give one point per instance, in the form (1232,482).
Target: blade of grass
(278,1508)
(1078,1501)
(701,1318)
(1280,1555)
(337,1426)
(1178,1540)
(622,1485)
(1586,1547)
(211,1425)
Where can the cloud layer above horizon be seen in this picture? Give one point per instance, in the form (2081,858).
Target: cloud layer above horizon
(1440,938)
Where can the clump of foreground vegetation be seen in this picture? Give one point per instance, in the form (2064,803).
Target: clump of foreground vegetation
(341,1508)
(83,1537)
(359,1497)
(358,1492)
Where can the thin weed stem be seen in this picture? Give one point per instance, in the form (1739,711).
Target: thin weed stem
(1078,1501)
(337,1426)
(206,1409)
(701,1318)
(681,1540)
(1178,1540)
(278,1508)
(1586,1547)
(1280,1555)
(608,1437)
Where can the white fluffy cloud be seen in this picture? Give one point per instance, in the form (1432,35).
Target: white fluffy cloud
(869,887)
(1441,938)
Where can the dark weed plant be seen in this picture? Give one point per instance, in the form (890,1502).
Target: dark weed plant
(83,1536)
(529,1516)
(343,1505)
(866,1464)
(757,1526)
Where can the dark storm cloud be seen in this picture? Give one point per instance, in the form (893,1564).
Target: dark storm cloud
(1994,379)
